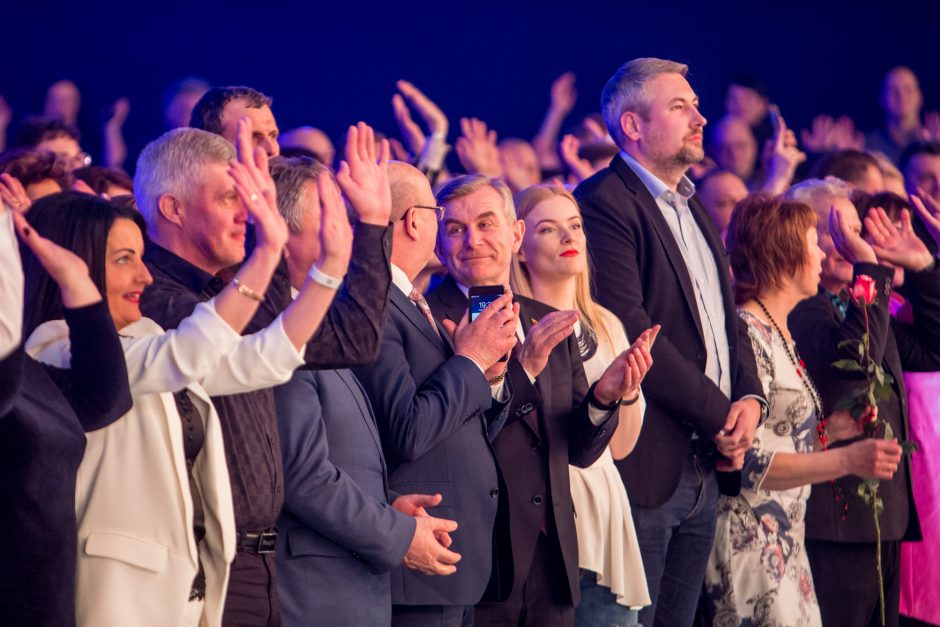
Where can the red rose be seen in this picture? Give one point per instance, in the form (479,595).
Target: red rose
(864,290)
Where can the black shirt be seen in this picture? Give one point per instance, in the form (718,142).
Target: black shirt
(348,336)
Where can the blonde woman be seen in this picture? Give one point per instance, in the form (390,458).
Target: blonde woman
(552,267)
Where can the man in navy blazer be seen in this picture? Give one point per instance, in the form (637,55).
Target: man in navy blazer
(659,259)
(436,411)
(342,537)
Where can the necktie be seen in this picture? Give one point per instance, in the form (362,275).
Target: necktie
(424,308)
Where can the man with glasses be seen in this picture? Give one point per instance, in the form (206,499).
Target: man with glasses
(436,409)
(55,136)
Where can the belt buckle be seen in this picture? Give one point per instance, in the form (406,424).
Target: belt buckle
(266,542)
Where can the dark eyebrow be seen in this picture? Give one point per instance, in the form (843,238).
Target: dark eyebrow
(129,250)
(486,214)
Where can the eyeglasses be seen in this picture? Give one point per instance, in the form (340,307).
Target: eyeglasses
(81,160)
(438,210)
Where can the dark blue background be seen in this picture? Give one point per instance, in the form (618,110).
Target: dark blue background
(331,63)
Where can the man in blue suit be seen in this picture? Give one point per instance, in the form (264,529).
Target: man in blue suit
(438,404)
(342,535)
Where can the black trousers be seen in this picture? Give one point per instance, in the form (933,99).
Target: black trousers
(428,615)
(846,582)
(543,600)
(251,600)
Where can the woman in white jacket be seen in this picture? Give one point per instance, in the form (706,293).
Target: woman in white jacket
(155,522)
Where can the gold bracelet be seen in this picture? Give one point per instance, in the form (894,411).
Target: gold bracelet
(498,378)
(244,290)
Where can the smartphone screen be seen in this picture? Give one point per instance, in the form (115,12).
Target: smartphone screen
(481,297)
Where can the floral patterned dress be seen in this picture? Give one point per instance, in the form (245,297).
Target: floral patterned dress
(758,572)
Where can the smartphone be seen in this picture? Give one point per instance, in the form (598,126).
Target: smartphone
(481,296)
(774,112)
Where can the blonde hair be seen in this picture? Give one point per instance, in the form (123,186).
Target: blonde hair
(592,314)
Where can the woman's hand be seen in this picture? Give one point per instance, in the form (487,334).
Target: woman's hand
(872,458)
(66,268)
(14,194)
(625,373)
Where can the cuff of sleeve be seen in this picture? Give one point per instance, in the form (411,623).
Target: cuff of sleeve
(764,406)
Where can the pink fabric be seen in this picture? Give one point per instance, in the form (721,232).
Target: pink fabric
(920,561)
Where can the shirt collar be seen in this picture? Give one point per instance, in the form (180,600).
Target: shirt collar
(401,280)
(195,279)
(656,188)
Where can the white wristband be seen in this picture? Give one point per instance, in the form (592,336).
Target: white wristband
(323,278)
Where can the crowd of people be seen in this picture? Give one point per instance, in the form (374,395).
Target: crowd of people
(593,378)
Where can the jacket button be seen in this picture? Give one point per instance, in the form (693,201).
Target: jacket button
(537,499)
(494,493)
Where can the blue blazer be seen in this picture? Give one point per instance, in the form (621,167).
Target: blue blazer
(436,416)
(339,536)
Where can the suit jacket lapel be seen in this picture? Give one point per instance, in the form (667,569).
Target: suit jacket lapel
(355,389)
(411,313)
(648,204)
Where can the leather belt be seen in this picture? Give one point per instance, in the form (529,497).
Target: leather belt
(257,542)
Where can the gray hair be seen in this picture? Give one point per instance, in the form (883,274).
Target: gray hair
(174,164)
(290,174)
(465,185)
(627,90)
(819,194)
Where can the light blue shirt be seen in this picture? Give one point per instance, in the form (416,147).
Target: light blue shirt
(700,262)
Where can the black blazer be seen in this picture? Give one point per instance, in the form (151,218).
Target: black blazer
(44,414)
(640,275)
(818,327)
(342,536)
(548,428)
(435,415)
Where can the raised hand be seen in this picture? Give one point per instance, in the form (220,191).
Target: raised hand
(931,128)
(568,150)
(544,336)
(564,95)
(426,108)
(256,189)
(847,241)
(411,133)
(929,211)
(66,268)
(363,175)
(13,194)
(476,148)
(781,157)
(336,234)
(623,376)
(898,246)
(490,336)
(119,112)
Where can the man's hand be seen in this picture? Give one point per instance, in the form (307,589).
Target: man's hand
(544,336)
(426,554)
(363,176)
(493,334)
(847,241)
(411,134)
(736,436)
(564,95)
(336,236)
(900,247)
(625,373)
(929,211)
(257,191)
(477,150)
(415,505)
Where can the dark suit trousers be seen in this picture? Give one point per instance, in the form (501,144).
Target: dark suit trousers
(847,584)
(536,603)
(428,615)
(251,600)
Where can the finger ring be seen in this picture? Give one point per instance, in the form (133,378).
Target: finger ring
(253,198)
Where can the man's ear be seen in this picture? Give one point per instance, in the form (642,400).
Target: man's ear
(630,125)
(171,209)
(518,232)
(410,224)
